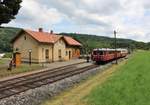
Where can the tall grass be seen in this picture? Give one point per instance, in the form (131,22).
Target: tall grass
(128,86)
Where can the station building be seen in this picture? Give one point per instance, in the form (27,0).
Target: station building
(42,46)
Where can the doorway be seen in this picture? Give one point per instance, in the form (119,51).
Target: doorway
(69,54)
(47,55)
(59,54)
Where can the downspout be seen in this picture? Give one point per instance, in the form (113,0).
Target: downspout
(52,52)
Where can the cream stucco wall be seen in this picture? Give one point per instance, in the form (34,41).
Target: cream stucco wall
(42,55)
(38,49)
(24,45)
(59,45)
(67,55)
(74,52)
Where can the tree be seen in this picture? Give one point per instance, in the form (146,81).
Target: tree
(8,10)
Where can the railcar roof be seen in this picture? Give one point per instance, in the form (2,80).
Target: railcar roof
(108,49)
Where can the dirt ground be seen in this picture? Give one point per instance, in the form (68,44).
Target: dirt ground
(75,95)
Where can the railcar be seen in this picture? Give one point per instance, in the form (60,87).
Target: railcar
(105,55)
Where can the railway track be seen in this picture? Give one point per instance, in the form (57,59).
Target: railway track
(21,84)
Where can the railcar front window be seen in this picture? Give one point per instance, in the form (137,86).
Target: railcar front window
(98,53)
(95,52)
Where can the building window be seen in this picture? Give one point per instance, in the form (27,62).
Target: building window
(66,53)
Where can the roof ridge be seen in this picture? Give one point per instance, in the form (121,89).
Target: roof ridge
(39,32)
(46,37)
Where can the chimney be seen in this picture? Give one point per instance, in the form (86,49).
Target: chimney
(51,32)
(40,29)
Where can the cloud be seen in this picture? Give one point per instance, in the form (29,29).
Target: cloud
(34,14)
(129,17)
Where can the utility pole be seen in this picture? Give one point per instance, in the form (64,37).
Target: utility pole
(115,46)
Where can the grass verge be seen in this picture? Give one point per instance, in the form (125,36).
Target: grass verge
(3,61)
(130,85)
(18,70)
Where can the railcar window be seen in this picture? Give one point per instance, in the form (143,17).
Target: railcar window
(98,53)
(110,52)
(95,52)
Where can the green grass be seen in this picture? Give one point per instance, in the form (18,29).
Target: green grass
(21,69)
(4,72)
(8,55)
(128,86)
(3,61)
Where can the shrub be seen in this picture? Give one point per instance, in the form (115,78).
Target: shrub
(7,55)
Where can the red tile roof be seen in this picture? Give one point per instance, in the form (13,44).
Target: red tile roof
(71,41)
(45,37)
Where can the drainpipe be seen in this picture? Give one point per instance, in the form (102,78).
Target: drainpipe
(53,53)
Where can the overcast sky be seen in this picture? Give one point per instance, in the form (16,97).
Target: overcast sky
(131,18)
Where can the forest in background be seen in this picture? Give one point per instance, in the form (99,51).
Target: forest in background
(89,42)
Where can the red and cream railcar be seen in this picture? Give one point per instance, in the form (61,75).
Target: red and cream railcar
(123,52)
(106,55)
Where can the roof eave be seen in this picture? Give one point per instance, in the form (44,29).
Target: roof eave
(75,45)
(46,42)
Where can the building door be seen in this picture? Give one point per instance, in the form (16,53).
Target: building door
(69,54)
(59,54)
(17,58)
(47,55)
